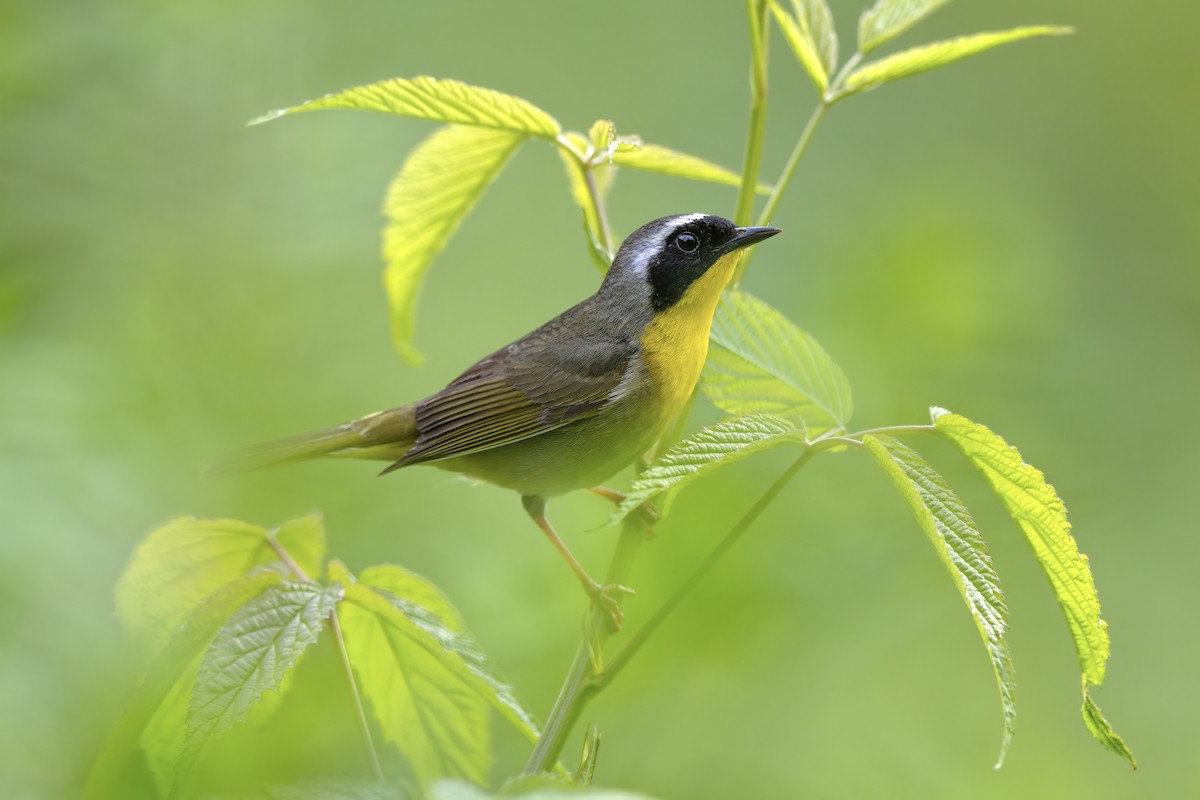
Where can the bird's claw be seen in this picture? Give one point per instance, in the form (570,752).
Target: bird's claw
(608,599)
(648,512)
(649,516)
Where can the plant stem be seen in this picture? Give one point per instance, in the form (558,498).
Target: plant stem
(789,168)
(831,96)
(890,429)
(340,643)
(584,161)
(744,207)
(643,635)
(562,717)
(574,694)
(585,680)
(631,648)
(826,102)
(598,205)
(285,556)
(785,177)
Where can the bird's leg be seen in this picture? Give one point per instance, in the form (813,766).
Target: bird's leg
(646,511)
(602,596)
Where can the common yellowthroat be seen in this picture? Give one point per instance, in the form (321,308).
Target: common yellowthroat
(569,404)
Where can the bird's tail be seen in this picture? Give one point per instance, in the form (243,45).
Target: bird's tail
(383,435)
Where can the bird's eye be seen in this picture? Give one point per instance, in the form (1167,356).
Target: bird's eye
(687,242)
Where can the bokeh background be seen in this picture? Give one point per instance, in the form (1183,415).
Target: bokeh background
(1013,238)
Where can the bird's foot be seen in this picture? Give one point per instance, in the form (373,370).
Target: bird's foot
(646,513)
(608,599)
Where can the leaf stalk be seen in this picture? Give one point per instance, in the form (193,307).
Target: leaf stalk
(285,556)
(785,177)
(744,206)
(360,713)
(339,644)
(586,678)
(631,648)
(598,206)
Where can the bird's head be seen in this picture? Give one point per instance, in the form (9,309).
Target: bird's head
(664,258)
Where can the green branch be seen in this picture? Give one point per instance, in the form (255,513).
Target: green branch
(789,169)
(785,178)
(605,676)
(587,676)
(360,713)
(339,643)
(744,206)
(576,689)
(606,239)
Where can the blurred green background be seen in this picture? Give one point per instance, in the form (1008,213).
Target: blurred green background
(1013,238)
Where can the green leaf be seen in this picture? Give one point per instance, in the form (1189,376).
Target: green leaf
(1042,517)
(603,142)
(164,738)
(586,772)
(665,161)
(939,54)
(953,534)
(812,37)
(439,184)
(176,566)
(251,654)
(887,19)
(442,100)
(428,684)
(405,586)
(153,721)
(601,135)
(759,362)
(675,434)
(164,734)
(538,788)
(1103,732)
(601,150)
(703,452)
(423,706)
(430,610)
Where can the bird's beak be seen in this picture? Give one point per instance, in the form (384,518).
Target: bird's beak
(748,236)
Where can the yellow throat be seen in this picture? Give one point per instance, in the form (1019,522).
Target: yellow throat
(675,343)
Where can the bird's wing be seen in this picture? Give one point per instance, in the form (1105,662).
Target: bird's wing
(529,388)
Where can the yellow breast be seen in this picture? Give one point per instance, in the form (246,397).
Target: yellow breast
(675,343)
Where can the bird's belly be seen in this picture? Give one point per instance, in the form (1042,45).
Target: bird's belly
(583,453)
(591,450)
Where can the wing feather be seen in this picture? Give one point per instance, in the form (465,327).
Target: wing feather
(545,381)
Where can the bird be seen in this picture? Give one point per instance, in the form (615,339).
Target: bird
(574,401)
